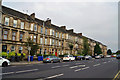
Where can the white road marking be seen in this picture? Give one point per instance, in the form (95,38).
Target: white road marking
(13,66)
(81,69)
(29,65)
(108,61)
(65,65)
(85,68)
(78,70)
(77,66)
(96,65)
(104,62)
(20,71)
(77,63)
(27,70)
(8,73)
(55,67)
(54,76)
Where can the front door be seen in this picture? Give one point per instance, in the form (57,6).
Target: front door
(4,48)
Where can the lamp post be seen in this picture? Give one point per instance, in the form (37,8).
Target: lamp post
(0,26)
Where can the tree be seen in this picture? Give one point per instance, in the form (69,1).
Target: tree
(85,46)
(97,49)
(118,52)
(71,47)
(109,52)
(34,46)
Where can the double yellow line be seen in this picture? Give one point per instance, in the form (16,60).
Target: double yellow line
(117,76)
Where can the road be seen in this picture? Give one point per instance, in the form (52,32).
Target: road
(105,68)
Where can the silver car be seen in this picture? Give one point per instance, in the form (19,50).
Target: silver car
(87,57)
(52,59)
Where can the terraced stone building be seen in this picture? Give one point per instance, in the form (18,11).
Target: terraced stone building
(52,39)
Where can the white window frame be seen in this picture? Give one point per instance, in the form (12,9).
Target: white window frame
(31,26)
(41,40)
(7,21)
(35,37)
(45,41)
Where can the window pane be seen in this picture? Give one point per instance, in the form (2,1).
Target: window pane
(6,21)
(5,36)
(22,25)
(31,27)
(41,30)
(35,27)
(14,23)
(41,40)
(5,32)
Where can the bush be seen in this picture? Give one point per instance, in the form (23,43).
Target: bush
(24,54)
(61,55)
(66,54)
(39,54)
(11,54)
(3,54)
(18,54)
(45,55)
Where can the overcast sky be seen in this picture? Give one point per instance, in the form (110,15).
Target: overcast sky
(96,20)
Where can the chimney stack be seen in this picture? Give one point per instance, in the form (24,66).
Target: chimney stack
(48,22)
(63,27)
(32,16)
(70,30)
(80,34)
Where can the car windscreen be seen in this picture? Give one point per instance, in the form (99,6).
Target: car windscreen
(65,55)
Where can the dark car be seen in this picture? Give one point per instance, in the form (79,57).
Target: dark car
(52,59)
(80,57)
(118,56)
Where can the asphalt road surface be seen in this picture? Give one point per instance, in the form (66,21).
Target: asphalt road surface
(103,69)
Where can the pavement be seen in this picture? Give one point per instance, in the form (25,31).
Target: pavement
(95,69)
(25,63)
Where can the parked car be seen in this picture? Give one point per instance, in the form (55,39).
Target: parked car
(108,56)
(118,56)
(97,57)
(102,56)
(87,57)
(114,55)
(80,57)
(52,59)
(4,62)
(68,58)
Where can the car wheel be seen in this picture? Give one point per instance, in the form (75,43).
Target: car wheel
(60,61)
(52,61)
(4,64)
